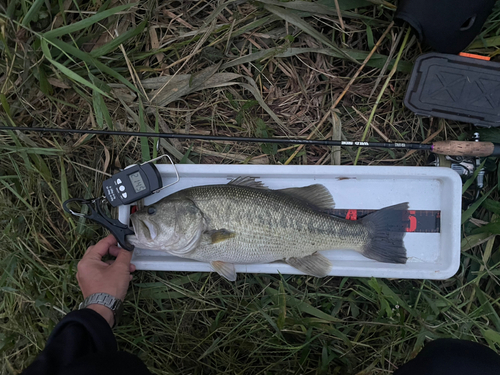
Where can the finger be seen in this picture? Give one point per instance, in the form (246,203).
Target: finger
(132,267)
(108,237)
(114,250)
(101,248)
(124,257)
(130,278)
(110,262)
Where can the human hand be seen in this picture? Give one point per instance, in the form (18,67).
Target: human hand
(112,277)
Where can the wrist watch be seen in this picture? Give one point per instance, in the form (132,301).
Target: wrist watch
(105,299)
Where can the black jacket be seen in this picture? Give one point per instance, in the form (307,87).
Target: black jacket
(84,344)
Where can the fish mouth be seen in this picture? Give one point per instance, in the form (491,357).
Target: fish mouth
(144,229)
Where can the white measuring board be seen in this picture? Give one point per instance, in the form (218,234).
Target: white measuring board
(430,255)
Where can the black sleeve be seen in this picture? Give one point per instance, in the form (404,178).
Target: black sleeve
(83,343)
(452,356)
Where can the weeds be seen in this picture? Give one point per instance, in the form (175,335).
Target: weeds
(262,68)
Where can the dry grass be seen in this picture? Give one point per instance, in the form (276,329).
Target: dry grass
(240,69)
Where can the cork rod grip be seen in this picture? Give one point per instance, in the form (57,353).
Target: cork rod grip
(461,148)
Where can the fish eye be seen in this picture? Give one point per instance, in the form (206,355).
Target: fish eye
(151,210)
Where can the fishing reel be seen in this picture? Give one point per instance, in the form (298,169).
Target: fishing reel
(466,167)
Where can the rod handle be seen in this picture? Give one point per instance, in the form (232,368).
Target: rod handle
(464,148)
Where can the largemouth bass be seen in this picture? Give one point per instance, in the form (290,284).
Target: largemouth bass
(245,222)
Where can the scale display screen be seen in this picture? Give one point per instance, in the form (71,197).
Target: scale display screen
(137,182)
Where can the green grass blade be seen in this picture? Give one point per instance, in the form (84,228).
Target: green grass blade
(30,150)
(281,307)
(146,156)
(346,4)
(86,22)
(45,86)
(472,179)
(5,104)
(42,167)
(301,306)
(492,205)
(253,25)
(307,8)
(101,111)
(376,61)
(485,43)
(490,228)
(90,60)
(185,158)
(492,337)
(292,18)
(156,140)
(474,240)
(32,12)
(64,182)
(468,213)
(488,308)
(18,196)
(252,87)
(115,43)
(11,8)
(72,75)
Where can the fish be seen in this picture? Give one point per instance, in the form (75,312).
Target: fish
(245,222)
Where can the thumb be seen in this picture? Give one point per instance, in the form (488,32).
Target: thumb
(124,257)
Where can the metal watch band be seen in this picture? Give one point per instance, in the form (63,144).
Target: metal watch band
(105,299)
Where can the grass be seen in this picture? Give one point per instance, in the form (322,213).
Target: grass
(261,68)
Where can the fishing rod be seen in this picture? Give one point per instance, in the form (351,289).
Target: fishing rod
(452,148)
(139,181)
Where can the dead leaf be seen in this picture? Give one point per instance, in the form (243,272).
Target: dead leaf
(175,89)
(58,83)
(107,156)
(155,44)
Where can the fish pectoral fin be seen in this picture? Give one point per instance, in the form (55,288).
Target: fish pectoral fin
(317,195)
(315,264)
(224,269)
(247,181)
(220,235)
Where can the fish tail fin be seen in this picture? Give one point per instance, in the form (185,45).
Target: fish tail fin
(385,245)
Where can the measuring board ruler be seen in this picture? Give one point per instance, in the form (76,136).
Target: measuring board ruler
(414,221)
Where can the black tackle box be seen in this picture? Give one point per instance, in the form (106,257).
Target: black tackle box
(456,88)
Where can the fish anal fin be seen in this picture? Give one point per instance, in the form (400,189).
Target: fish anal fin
(247,181)
(224,269)
(314,265)
(316,195)
(219,235)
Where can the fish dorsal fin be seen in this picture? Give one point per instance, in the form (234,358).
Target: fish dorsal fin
(224,269)
(247,181)
(314,265)
(316,195)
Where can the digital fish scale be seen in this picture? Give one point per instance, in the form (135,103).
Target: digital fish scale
(134,183)
(130,185)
